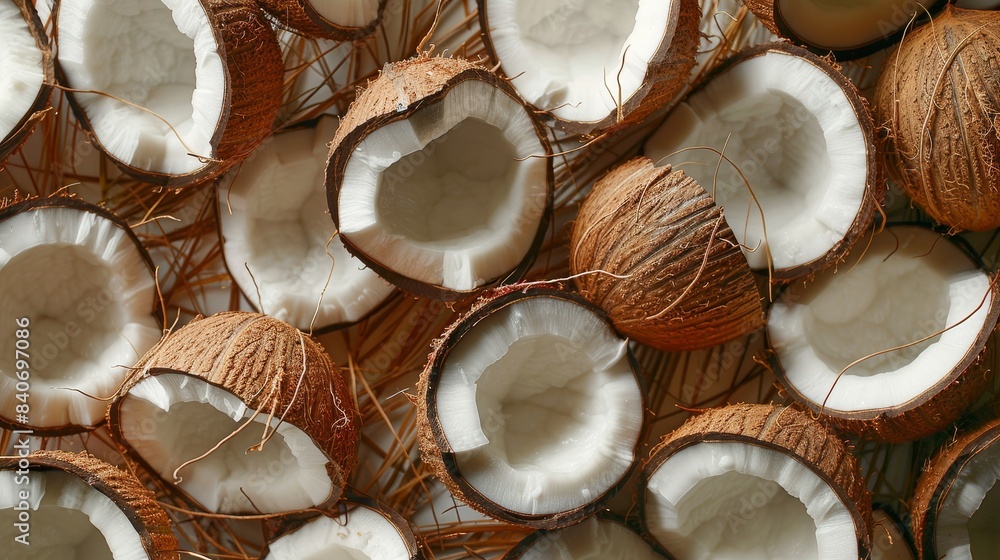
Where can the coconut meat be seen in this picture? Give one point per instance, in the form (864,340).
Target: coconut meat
(163,80)
(451,196)
(275,222)
(69,520)
(541,406)
(21,70)
(894,296)
(792,132)
(87,292)
(966,526)
(734,501)
(346,13)
(836,24)
(591,539)
(170,419)
(359,534)
(566,56)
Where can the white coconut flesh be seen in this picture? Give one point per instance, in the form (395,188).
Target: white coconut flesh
(541,407)
(452,196)
(893,297)
(591,539)
(966,526)
(793,133)
(158,63)
(360,534)
(69,520)
(837,24)
(87,293)
(170,419)
(21,70)
(346,13)
(734,501)
(275,222)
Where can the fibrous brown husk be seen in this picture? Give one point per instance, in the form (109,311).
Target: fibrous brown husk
(23,129)
(937,102)
(652,249)
(301,16)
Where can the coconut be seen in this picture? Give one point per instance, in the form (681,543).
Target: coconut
(77,506)
(343,20)
(652,249)
(600,536)
(440,179)
(26,74)
(755,482)
(890,541)
(243,414)
(173,91)
(936,102)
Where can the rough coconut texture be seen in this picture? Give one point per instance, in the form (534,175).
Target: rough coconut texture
(149,520)
(27,65)
(666,69)
(787,431)
(315,18)
(680,280)
(250,97)
(937,103)
(259,360)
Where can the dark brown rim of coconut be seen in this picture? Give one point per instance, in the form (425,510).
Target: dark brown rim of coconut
(875,185)
(17,206)
(254,78)
(667,72)
(148,519)
(788,431)
(937,479)
(312,411)
(436,451)
(764,11)
(37,112)
(425,80)
(525,544)
(936,408)
(301,17)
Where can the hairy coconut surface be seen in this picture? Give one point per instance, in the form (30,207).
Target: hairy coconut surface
(653,250)
(343,20)
(26,74)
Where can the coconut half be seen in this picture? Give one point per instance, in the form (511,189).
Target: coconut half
(78,507)
(756,482)
(593,65)
(890,540)
(801,136)
(243,414)
(78,291)
(440,179)
(530,410)
(26,74)
(594,537)
(173,91)
(909,286)
(279,243)
(343,20)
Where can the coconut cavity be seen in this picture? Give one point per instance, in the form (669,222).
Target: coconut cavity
(836,25)
(361,533)
(22,73)
(208,442)
(966,526)
(796,155)
(163,80)
(593,538)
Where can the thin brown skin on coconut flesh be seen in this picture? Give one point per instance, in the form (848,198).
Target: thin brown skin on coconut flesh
(35,71)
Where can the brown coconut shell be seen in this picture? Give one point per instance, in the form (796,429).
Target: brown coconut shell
(254,79)
(667,72)
(148,519)
(259,360)
(937,101)
(435,450)
(301,17)
(937,480)
(788,431)
(39,108)
(400,90)
(680,280)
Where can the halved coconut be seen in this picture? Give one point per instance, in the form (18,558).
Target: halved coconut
(907,320)
(848,30)
(530,410)
(439,178)
(957,500)
(890,541)
(55,504)
(800,181)
(243,413)
(593,65)
(343,20)
(78,296)
(594,537)
(756,482)
(279,243)
(173,91)
(26,73)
